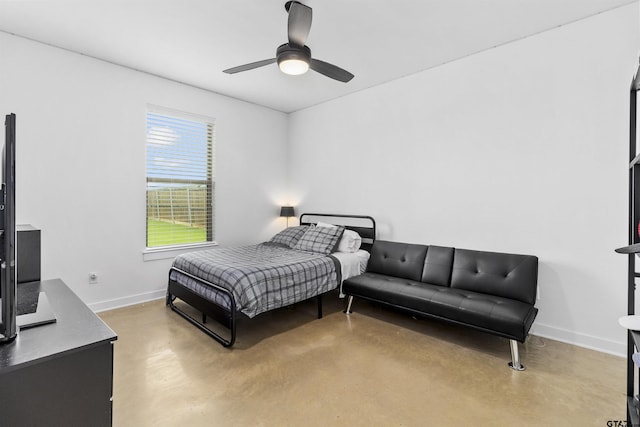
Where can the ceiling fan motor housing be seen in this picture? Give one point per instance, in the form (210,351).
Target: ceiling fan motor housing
(287,5)
(286,52)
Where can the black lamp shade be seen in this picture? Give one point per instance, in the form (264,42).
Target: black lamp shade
(287,211)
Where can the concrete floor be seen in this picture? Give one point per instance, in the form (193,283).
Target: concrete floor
(373,368)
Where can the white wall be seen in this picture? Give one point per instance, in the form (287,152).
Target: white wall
(81,166)
(521,148)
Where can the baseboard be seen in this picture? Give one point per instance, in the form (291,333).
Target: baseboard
(563,335)
(581,340)
(111,304)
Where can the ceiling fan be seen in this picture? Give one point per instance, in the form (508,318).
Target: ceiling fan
(294,57)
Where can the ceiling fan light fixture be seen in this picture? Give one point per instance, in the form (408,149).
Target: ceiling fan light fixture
(293,66)
(293,60)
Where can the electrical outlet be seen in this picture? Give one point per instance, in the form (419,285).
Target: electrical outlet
(93,277)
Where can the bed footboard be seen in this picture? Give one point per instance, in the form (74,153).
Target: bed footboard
(226,317)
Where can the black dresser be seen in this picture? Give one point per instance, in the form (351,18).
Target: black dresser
(59,374)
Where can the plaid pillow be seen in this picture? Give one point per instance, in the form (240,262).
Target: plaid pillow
(289,236)
(322,240)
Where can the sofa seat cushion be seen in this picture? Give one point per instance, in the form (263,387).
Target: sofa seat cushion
(498,315)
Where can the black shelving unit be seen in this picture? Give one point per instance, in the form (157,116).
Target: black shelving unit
(633,408)
(633,249)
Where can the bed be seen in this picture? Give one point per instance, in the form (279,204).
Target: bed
(297,264)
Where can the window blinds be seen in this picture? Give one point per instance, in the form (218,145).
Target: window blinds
(180,180)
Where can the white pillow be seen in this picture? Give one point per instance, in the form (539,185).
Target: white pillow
(324,224)
(350,242)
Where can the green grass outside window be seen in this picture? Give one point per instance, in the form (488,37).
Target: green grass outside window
(160,233)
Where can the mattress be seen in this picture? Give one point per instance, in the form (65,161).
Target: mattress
(351,264)
(260,277)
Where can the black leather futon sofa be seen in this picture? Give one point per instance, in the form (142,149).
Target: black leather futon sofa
(489,291)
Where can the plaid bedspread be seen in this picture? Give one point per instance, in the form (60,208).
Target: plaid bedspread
(261,277)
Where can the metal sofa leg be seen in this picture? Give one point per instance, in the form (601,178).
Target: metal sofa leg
(348,310)
(515,357)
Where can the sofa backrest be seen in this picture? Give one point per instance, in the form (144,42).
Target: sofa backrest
(429,264)
(505,275)
(438,265)
(404,260)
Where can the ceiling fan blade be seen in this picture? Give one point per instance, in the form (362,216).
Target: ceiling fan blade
(299,23)
(250,66)
(330,70)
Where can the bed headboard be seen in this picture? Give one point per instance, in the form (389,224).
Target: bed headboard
(364,225)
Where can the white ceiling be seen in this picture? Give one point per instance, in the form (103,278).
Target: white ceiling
(192,41)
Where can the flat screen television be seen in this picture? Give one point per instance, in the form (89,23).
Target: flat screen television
(8,285)
(21,305)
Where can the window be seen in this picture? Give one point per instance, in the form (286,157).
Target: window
(180,179)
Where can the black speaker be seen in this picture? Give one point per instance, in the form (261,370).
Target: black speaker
(28,253)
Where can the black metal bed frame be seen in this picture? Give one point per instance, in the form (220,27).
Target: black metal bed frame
(227,317)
